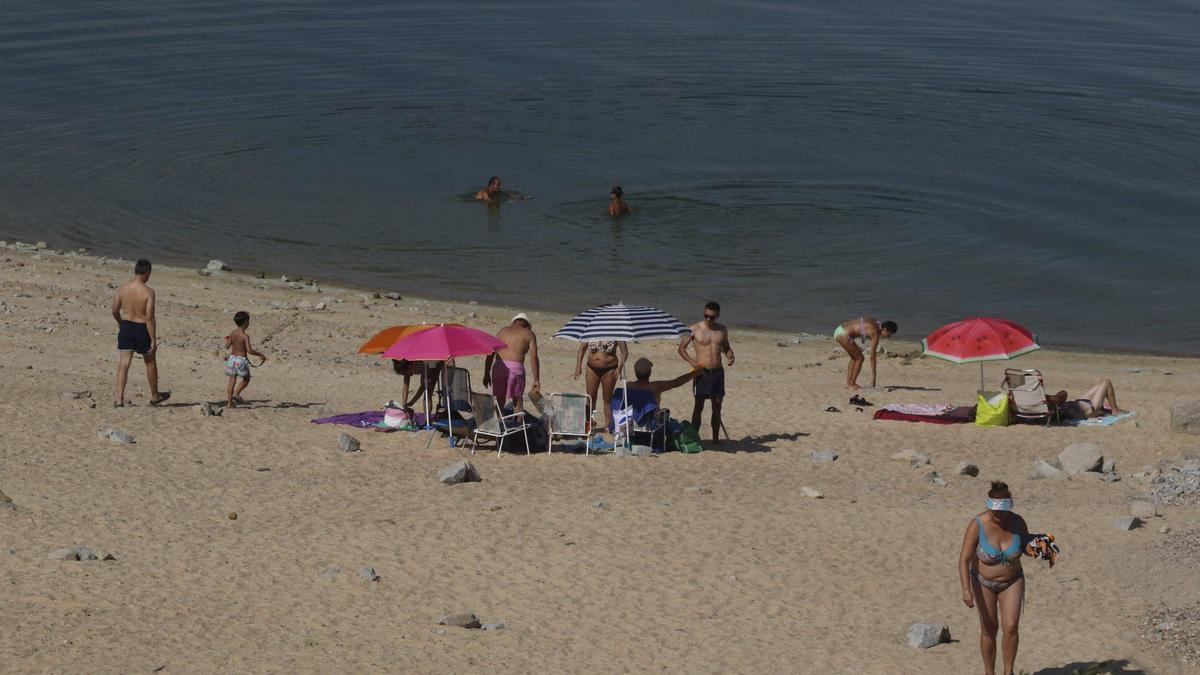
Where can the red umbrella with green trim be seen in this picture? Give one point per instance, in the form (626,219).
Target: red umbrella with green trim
(980,339)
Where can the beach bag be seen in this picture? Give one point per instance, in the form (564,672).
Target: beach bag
(396,417)
(684,438)
(992,409)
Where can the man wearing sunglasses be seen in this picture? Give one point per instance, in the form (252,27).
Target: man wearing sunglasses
(710,340)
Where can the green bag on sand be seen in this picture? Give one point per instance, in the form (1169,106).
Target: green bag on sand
(685,439)
(992,409)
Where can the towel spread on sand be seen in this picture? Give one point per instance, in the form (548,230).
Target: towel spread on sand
(1106,421)
(931,409)
(360,419)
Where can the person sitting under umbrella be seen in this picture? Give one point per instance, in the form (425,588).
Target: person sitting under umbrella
(1090,405)
(866,329)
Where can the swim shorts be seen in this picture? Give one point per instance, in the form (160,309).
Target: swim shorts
(710,383)
(508,379)
(237,366)
(133,337)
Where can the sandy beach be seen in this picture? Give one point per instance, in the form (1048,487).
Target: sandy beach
(714,562)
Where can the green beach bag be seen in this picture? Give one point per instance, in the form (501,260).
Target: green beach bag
(685,439)
(991,410)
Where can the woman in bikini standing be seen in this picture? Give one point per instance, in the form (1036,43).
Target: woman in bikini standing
(868,330)
(604,362)
(989,568)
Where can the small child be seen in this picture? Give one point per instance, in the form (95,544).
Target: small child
(237,364)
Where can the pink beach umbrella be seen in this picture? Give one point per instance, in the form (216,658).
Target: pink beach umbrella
(980,339)
(441,343)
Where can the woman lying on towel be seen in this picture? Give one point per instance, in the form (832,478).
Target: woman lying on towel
(1091,405)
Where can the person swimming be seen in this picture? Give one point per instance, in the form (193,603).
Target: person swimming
(616,205)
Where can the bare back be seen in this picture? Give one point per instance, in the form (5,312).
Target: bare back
(710,343)
(518,340)
(135,302)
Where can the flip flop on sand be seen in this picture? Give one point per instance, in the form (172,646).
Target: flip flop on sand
(859,400)
(162,396)
(832,409)
(239,400)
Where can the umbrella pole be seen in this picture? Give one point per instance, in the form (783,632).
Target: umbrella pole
(981,376)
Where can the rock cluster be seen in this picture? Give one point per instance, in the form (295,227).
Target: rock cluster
(1176,482)
(1185,417)
(80,553)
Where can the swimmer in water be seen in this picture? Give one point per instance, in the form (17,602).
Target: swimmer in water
(491,193)
(616,205)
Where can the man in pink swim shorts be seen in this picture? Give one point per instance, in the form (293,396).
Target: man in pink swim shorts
(506,374)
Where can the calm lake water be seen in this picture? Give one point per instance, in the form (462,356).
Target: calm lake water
(802,163)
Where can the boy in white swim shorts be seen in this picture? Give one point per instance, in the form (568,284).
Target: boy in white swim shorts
(237,364)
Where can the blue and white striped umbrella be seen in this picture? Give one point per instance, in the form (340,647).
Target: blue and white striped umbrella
(622,322)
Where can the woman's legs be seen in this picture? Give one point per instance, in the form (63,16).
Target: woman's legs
(608,383)
(985,602)
(1103,391)
(593,385)
(856,360)
(1010,601)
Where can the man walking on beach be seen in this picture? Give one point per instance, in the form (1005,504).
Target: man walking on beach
(711,339)
(507,373)
(133,310)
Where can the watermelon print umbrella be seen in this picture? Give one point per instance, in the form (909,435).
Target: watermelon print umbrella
(979,339)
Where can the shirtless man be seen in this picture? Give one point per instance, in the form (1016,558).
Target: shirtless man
(491,193)
(711,339)
(133,310)
(506,374)
(866,329)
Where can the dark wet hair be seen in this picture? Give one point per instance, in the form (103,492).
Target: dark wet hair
(493,179)
(999,491)
(713,306)
(142,266)
(399,365)
(241,319)
(890,327)
(618,191)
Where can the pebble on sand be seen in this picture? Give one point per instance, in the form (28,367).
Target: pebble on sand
(926,635)
(966,468)
(1127,523)
(913,457)
(824,456)
(463,620)
(348,443)
(811,493)
(117,436)
(233,515)
(459,472)
(218,266)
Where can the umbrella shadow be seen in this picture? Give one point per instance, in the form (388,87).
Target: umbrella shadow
(905,387)
(760,443)
(1110,667)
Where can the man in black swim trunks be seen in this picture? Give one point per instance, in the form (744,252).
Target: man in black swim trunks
(133,310)
(711,340)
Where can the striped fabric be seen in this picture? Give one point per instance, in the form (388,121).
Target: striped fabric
(622,322)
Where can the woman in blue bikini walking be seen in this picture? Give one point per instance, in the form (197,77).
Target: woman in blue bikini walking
(989,567)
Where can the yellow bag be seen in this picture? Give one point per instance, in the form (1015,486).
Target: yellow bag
(991,410)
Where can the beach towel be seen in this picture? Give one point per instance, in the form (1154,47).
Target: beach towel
(369,418)
(920,408)
(1106,421)
(1043,547)
(963,414)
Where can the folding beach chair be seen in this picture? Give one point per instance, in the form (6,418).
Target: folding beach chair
(1027,393)
(491,421)
(455,397)
(646,419)
(566,416)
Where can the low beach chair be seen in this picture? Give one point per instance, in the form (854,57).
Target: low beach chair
(455,397)
(646,419)
(566,416)
(1027,393)
(491,421)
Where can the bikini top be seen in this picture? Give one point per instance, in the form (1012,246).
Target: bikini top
(990,555)
(608,346)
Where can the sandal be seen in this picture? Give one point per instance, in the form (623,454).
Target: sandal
(859,400)
(832,409)
(859,409)
(162,396)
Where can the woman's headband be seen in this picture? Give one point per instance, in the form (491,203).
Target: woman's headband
(999,504)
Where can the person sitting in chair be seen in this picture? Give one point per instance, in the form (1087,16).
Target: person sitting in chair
(641,370)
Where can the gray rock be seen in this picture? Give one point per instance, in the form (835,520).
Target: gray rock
(700,490)
(811,493)
(366,297)
(926,635)
(368,574)
(209,410)
(1190,465)
(1127,523)
(218,266)
(966,468)
(642,451)
(348,443)
(320,306)
(1108,466)
(824,456)
(117,436)
(1110,478)
(492,626)
(331,572)
(935,478)
(1143,508)
(64,554)
(465,620)
(392,296)
(1185,417)
(1043,469)
(621,451)
(459,472)
(1080,458)
(913,457)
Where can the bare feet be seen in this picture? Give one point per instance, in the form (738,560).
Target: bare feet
(1118,411)
(230,404)
(854,387)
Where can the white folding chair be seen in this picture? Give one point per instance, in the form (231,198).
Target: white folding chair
(566,416)
(491,421)
(1027,391)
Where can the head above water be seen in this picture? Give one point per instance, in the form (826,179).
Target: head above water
(493,185)
(642,367)
(712,311)
(888,328)
(617,192)
(142,269)
(242,319)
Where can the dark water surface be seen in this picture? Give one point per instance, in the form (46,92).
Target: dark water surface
(803,163)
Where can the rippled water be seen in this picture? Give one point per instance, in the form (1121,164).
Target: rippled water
(803,163)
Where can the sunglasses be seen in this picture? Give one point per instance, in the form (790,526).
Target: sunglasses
(710,316)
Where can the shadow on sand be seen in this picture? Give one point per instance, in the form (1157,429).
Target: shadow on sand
(905,387)
(752,443)
(1111,667)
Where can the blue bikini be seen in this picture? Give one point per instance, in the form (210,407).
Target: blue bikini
(990,555)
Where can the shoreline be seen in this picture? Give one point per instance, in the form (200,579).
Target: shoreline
(289,281)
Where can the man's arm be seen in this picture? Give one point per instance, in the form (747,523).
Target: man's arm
(251,350)
(727,349)
(116,308)
(667,385)
(683,345)
(487,368)
(534,364)
(151,323)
